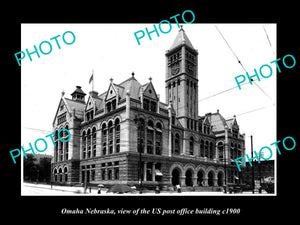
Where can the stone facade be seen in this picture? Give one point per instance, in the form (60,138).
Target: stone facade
(127,135)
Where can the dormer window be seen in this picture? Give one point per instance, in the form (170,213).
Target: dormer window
(89,115)
(146,104)
(111,105)
(235,133)
(153,106)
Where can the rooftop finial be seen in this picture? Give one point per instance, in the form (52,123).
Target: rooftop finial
(150,79)
(132,74)
(111,80)
(181,28)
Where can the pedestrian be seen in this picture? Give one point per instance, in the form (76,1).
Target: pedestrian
(157,190)
(99,190)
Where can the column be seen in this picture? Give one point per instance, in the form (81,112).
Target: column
(205,181)
(153,171)
(217,152)
(127,115)
(183,59)
(194,179)
(145,171)
(215,182)
(182,181)
(170,129)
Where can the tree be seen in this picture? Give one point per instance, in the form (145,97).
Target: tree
(28,167)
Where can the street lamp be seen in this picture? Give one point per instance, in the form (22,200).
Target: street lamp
(139,149)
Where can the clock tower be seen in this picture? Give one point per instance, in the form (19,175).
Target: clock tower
(182,79)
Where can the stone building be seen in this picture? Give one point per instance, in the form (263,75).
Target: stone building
(127,135)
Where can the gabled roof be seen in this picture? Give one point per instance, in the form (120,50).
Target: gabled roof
(218,122)
(180,39)
(78,106)
(95,100)
(232,123)
(148,90)
(131,85)
(70,105)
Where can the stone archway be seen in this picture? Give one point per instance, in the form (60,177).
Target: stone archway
(210,177)
(176,174)
(220,178)
(200,178)
(189,178)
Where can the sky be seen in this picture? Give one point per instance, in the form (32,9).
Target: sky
(111,51)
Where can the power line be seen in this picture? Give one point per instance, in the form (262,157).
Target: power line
(239,61)
(221,92)
(269,40)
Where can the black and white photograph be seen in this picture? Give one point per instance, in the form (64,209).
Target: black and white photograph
(153,115)
(132,131)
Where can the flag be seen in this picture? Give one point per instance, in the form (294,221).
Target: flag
(91,78)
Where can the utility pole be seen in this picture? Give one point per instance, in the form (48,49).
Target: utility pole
(225,156)
(253,183)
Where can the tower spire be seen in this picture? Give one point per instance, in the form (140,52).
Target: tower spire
(182,79)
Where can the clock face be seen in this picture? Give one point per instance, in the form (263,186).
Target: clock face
(175,68)
(175,71)
(190,68)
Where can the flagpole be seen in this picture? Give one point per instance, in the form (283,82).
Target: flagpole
(93,81)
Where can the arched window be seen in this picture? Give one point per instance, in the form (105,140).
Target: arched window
(89,139)
(191,146)
(94,138)
(158,139)
(83,146)
(66,144)
(60,150)
(60,177)
(239,151)
(104,139)
(201,148)
(66,174)
(177,144)
(206,149)
(211,151)
(141,135)
(172,143)
(150,137)
(110,137)
(117,135)
(235,151)
(220,147)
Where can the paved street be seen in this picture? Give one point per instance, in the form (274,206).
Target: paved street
(30,189)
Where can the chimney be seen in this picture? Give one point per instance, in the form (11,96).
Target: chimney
(94,94)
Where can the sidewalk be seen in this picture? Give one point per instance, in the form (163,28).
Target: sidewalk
(45,189)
